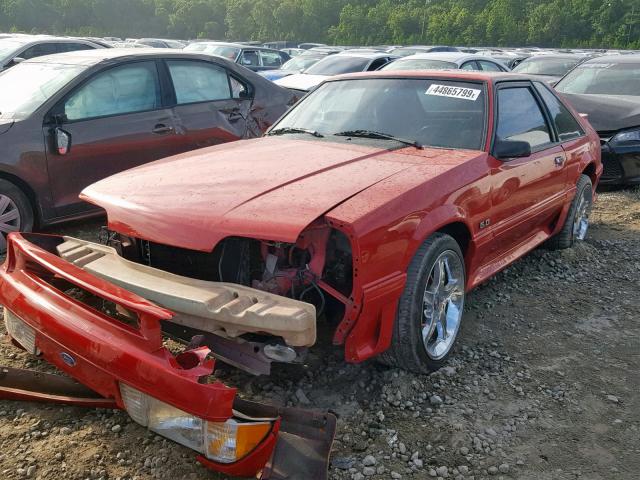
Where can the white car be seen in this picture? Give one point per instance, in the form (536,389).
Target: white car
(346,62)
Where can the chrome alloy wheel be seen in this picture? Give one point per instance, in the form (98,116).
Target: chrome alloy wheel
(9,219)
(442,304)
(581,220)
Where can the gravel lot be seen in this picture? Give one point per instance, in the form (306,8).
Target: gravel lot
(543,385)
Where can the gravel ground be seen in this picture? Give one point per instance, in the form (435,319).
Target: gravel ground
(543,385)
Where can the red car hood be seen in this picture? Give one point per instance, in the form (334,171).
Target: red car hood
(268,188)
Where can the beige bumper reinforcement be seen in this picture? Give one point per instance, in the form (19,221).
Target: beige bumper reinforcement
(226,309)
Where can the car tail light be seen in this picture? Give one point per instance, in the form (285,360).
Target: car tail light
(224,442)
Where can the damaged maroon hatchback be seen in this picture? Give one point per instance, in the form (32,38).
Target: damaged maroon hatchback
(376,203)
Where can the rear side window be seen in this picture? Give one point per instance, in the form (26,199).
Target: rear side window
(520,117)
(72,47)
(125,89)
(489,66)
(270,59)
(39,51)
(376,64)
(249,58)
(198,81)
(469,66)
(567,126)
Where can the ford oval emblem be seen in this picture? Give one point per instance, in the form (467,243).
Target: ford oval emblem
(68,359)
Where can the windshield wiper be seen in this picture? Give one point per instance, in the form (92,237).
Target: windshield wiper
(285,130)
(384,136)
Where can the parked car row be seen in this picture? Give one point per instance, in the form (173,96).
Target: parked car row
(98,112)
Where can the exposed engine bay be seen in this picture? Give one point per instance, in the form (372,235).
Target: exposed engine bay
(320,257)
(251,301)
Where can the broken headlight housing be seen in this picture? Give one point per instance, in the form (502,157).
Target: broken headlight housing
(223,442)
(628,138)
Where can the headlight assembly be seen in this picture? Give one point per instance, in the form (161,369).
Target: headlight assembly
(629,138)
(224,442)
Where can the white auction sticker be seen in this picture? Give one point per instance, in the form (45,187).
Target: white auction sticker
(453,92)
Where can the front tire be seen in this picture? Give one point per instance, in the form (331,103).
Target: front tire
(577,222)
(16,213)
(430,308)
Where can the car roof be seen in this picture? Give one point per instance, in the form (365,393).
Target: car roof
(33,39)
(465,75)
(243,46)
(94,57)
(556,56)
(628,58)
(449,56)
(363,54)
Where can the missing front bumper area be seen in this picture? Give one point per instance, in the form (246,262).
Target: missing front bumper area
(225,309)
(126,366)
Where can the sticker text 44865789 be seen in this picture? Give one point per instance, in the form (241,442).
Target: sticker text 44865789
(453,92)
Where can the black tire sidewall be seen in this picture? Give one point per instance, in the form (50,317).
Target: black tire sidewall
(21,201)
(440,244)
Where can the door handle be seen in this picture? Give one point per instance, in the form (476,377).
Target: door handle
(161,129)
(559,161)
(234,115)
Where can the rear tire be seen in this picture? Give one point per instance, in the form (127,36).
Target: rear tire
(430,308)
(577,222)
(16,213)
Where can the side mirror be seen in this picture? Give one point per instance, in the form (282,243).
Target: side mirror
(14,61)
(62,141)
(505,149)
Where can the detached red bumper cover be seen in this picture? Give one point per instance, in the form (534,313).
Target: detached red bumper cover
(104,354)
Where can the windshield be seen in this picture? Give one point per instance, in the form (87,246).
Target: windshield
(419,64)
(439,113)
(7,48)
(336,65)
(300,63)
(554,67)
(603,78)
(227,52)
(25,87)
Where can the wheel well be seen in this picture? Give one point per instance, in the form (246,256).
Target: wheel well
(590,171)
(27,190)
(460,233)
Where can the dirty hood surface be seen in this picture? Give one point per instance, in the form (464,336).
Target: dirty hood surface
(269,188)
(607,113)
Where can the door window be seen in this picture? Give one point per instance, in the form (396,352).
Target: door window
(470,66)
(72,47)
(125,89)
(198,81)
(489,66)
(567,126)
(376,64)
(249,58)
(270,59)
(39,50)
(520,117)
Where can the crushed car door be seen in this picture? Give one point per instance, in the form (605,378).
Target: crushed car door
(113,121)
(211,106)
(528,192)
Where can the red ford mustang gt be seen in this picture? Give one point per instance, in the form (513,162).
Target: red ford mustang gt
(377,202)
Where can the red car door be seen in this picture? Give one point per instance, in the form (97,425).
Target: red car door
(211,106)
(115,121)
(527,192)
(573,137)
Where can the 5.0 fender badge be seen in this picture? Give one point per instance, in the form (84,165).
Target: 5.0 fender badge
(68,359)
